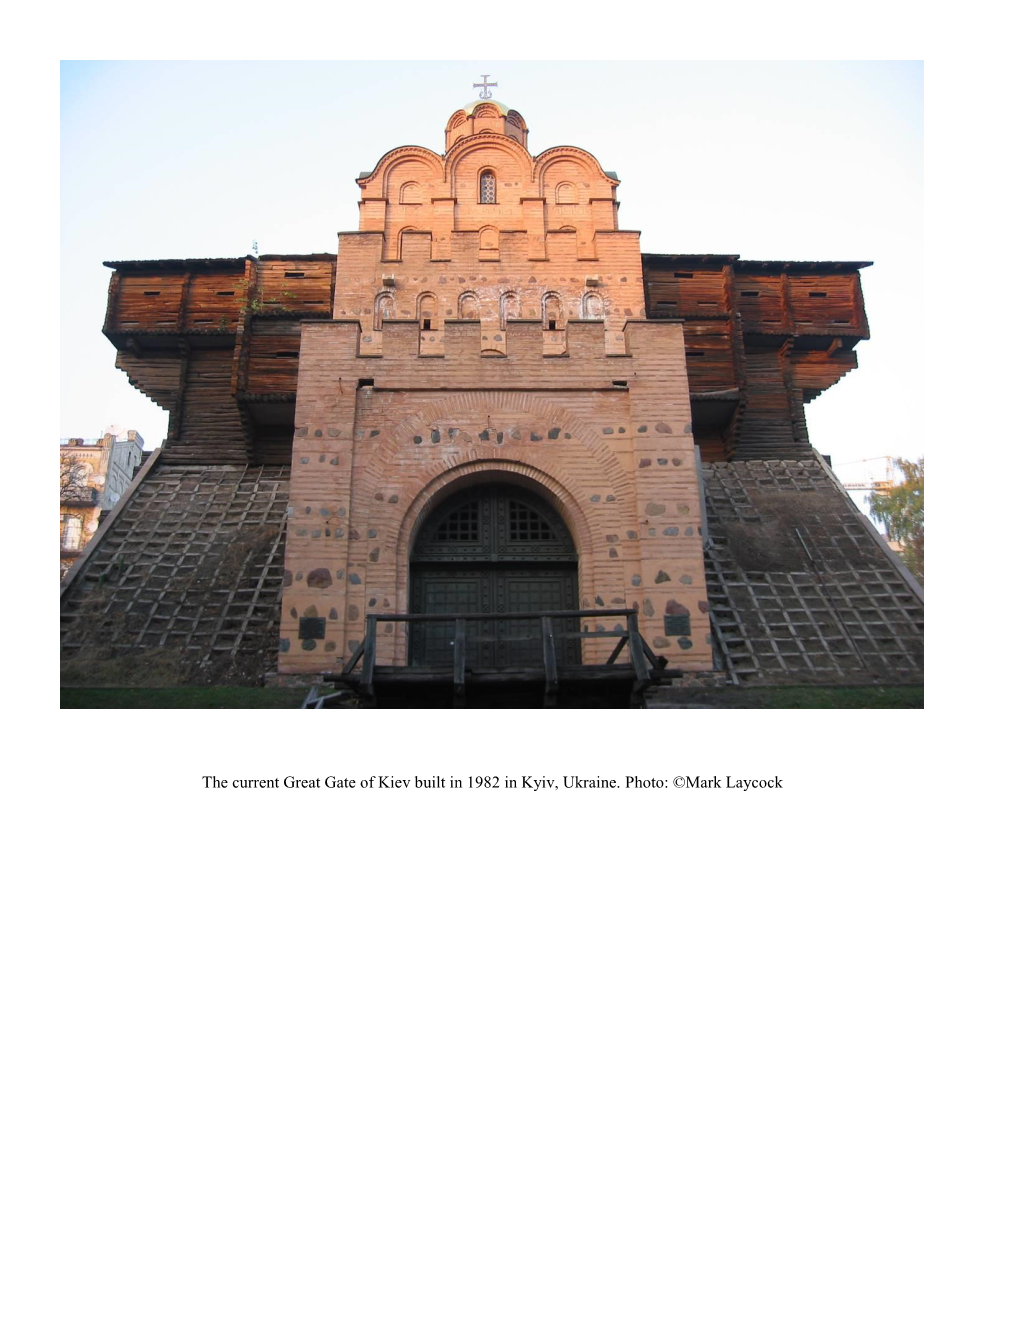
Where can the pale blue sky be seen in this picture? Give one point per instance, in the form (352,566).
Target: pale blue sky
(769,160)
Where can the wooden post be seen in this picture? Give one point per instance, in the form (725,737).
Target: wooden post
(552,682)
(368,667)
(459,662)
(637,655)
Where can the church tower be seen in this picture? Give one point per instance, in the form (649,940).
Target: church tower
(489,424)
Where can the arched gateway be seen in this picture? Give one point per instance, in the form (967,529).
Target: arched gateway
(496,549)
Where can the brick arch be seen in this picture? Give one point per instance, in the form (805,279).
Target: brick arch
(479,470)
(394,500)
(600,467)
(429,164)
(457,168)
(576,156)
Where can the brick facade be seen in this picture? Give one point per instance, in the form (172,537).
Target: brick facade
(491,340)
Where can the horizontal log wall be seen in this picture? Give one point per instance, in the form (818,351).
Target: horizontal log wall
(273,357)
(294,285)
(211,428)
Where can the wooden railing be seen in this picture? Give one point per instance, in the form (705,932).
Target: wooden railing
(643,660)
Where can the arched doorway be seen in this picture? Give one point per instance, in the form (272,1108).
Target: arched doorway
(495,549)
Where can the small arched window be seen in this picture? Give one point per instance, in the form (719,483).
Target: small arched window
(467,307)
(592,308)
(410,192)
(427,311)
(566,194)
(487,187)
(552,313)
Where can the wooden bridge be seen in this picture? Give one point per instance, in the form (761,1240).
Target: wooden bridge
(495,653)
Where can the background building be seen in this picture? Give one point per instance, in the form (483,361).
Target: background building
(94,474)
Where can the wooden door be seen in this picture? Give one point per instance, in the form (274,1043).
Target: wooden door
(493,550)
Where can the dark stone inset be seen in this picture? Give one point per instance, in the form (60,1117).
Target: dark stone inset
(417,439)
(607,430)
(288,577)
(355,579)
(373,555)
(703,606)
(372,434)
(434,435)
(642,430)
(677,625)
(663,428)
(671,531)
(662,576)
(535,437)
(353,613)
(331,646)
(685,643)
(284,643)
(333,614)
(645,462)
(320,577)
(554,433)
(308,645)
(654,510)
(318,435)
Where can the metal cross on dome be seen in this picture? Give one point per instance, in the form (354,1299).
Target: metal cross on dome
(486,88)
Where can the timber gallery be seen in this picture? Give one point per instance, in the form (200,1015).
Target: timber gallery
(491,452)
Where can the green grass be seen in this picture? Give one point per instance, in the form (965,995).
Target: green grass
(907,697)
(732,698)
(182,698)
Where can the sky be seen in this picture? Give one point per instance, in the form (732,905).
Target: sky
(771,160)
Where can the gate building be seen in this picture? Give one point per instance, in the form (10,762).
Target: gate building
(489,404)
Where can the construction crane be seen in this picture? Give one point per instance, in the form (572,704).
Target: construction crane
(880,484)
